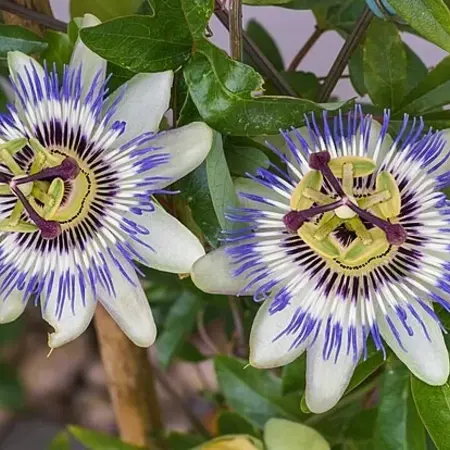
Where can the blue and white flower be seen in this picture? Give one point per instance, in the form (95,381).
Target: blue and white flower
(348,241)
(77,175)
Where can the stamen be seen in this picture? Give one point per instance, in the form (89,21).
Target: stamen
(395,233)
(295,219)
(67,170)
(49,229)
(319,161)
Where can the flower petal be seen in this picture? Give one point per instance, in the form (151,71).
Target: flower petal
(145,100)
(327,380)
(213,273)
(21,67)
(91,64)
(426,358)
(266,351)
(12,306)
(128,304)
(384,146)
(74,318)
(173,248)
(187,146)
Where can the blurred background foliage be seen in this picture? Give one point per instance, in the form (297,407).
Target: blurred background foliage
(210,397)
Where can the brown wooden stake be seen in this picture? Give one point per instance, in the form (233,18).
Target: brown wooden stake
(130,383)
(42,6)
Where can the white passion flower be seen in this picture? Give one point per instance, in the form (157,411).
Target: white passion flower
(76,178)
(351,241)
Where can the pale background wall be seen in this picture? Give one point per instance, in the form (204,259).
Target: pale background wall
(291,29)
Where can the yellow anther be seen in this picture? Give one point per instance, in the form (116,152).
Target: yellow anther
(325,228)
(362,166)
(10,162)
(386,182)
(38,163)
(55,197)
(5,189)
(361,231)
(327,247)
(313,180)
(347,178)
(39,148)
(375,199)
(16,214)
(359,253)
(14,145)
(318,197)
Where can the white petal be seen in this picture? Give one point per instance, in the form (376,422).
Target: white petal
(213,273)
(188,146)
(445,167)
(327,380)
(375,130)
(173,247)
(129,306)
(74,319)
(265,352)
(427,360)
(248,186)
(11,307)
(146,98)
(91,63)
(19,64)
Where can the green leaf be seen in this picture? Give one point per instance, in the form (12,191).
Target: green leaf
(254,394)
(280,434)
(416,69)
(104,9)
(151,43)
(15,38)
(398,425)
(223,91)
(194,190)
(60,442)
(432,92)
(430,18)
(178,326)
(384,64)
(119,76)
(94,440)
(189,352)
(265,42)
(233,423)
(339,15)
(11,391)
(365,369)
(294,376)
(179,441)
(356,71)
(11,331)
(433,405)
(242,159)
(209,192)
(221,187)
(305,84)
(59,49)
